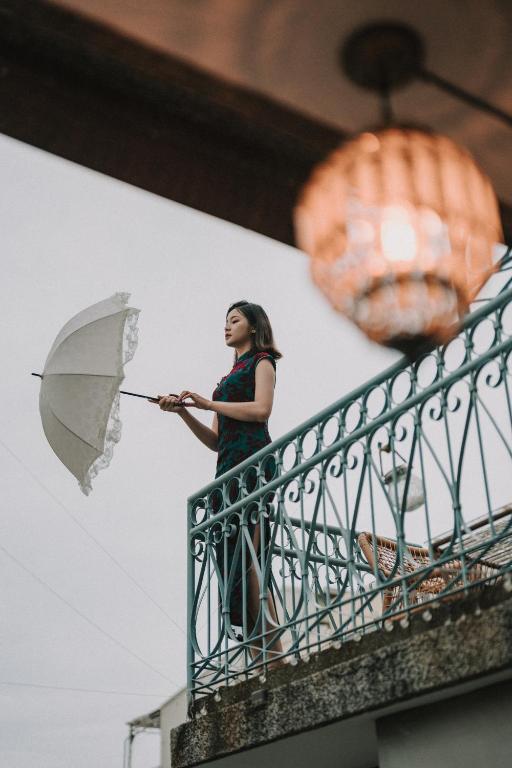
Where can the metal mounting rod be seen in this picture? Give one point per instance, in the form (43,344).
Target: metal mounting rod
(385,56)
(460,93)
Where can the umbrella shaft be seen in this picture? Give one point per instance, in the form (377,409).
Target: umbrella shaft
(152,397)
(133,394)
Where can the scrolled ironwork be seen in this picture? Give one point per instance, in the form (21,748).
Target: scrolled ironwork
(394,498)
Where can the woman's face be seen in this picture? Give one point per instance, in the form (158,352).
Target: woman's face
(236,329)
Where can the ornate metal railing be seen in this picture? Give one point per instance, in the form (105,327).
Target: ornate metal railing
(351,505)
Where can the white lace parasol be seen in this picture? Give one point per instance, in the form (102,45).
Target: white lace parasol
(79,396)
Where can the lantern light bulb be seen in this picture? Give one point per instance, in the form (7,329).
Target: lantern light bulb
(397,235)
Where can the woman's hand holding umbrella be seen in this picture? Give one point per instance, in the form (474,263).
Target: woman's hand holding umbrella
(173,403)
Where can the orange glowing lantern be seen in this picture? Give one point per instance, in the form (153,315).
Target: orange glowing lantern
(399,224)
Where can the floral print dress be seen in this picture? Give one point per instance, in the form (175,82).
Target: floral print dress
(237,440)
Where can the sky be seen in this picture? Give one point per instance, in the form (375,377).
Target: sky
(93,599)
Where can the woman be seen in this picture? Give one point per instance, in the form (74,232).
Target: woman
(242,403)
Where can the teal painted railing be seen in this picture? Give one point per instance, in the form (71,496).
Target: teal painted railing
(392,499)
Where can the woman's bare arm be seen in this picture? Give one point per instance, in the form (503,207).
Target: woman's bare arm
(206,435)
(258,409)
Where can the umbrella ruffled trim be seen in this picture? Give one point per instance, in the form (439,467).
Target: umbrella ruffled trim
(131,335)
(112,436)
(114,425)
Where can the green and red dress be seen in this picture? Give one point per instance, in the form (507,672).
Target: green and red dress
(237,440)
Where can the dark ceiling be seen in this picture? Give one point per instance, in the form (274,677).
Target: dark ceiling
(226,106)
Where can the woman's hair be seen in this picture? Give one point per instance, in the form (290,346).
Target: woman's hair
(263,339)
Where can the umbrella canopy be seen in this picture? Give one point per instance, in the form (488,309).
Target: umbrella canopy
(79,396)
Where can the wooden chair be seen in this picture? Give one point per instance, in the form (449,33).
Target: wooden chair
(381,555)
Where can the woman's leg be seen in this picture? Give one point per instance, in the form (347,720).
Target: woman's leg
(272,640)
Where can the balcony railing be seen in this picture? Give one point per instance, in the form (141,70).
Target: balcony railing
(392,499)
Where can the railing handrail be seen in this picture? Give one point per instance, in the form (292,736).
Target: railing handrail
(343,442)
(402,364)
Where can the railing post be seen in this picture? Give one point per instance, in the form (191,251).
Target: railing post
(190,602)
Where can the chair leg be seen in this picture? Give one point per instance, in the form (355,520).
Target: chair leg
(386,599)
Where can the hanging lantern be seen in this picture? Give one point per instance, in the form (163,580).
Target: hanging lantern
(399,224)
(395,481)
(398,476)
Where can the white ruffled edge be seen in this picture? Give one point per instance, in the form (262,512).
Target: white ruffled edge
(114,426)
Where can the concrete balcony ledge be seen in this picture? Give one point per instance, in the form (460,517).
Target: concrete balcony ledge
(350,701)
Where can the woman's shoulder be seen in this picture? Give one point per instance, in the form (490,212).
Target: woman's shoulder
(264,355)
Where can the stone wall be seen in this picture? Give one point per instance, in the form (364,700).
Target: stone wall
(333,709)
